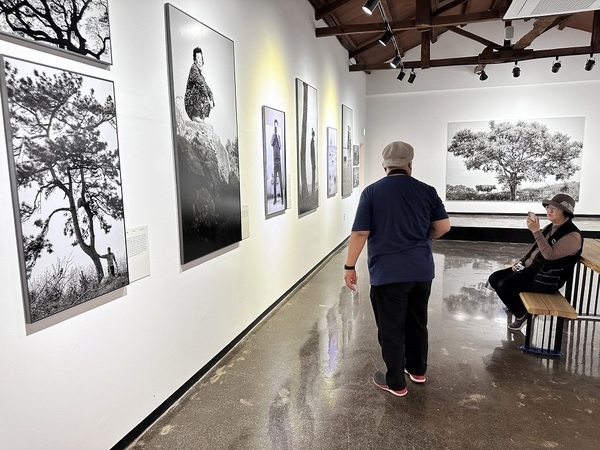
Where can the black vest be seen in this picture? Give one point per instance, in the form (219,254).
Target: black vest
(551,275)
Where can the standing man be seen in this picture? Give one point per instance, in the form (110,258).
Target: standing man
(398,216)
(111,261)
(276,144)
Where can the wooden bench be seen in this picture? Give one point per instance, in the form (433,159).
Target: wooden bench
(538,304)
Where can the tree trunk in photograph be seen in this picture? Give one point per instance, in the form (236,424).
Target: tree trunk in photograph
(303,182)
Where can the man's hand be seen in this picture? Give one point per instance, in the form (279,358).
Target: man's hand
(350,278)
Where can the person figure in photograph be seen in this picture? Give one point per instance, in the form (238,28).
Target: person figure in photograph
(398,216)
(312,159)
(276,144)
(111,261)
(198,98)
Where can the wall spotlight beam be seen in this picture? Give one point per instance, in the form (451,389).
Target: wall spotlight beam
(556,66)
(370,6)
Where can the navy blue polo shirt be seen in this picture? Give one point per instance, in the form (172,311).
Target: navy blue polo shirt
(397,211)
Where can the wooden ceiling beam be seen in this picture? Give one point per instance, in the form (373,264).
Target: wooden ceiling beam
(326,10)
(448,6)
(595,40)
(500,57)
(540,26)
(474,37)
(405,25)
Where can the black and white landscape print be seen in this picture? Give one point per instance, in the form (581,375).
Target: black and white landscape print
(61,130)
(203,105)
(514,161)
(77,26)
(307,130)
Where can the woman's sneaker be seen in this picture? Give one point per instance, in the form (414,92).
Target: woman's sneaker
(517,324)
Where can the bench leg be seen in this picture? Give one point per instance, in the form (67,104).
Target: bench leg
(540,351)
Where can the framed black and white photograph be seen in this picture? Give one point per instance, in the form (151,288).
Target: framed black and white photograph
(61,132)
(274,160)
(332,159)
(203,104)
(355,177)
(355,155)
(307,131)
(347,120)
(513,161)
(80,27)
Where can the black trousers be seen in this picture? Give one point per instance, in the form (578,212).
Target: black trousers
(508,284)
(401,316)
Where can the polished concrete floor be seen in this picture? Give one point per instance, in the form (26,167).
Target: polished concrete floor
(302,378)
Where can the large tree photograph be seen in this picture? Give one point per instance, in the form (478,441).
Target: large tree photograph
(514,161)
(201,66)
(307,134)
(62,129)
(77,26)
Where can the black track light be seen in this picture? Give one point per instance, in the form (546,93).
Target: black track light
(483,76)
(401,75)
(412,76)
(396,61)
(589,64)
(516,71)
(386,37)
(370,6)
(556,66)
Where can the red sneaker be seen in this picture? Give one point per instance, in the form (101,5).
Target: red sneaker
(416,378)
(379,380)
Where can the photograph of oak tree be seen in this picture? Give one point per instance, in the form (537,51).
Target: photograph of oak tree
(61,130)
(516,161)
(78,26)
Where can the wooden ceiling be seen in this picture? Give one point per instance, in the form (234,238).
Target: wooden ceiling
(419,23)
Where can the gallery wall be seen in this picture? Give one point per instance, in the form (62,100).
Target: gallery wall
(419,113)
(86,377)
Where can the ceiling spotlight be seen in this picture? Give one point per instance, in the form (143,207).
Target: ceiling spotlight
(401,75)
(412,76)
(396,61)
(556,66)
(516,71)
(385,37)
(482,75)
(589,64)
(370,6)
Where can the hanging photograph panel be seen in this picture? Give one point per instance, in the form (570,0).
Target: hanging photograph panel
(61,131)
(80,27)
(203,105)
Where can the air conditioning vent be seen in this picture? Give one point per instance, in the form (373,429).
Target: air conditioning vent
(523,9)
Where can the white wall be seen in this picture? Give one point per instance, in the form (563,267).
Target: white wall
(419,113)
(84,379)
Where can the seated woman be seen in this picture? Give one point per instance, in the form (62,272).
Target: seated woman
(547,265)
